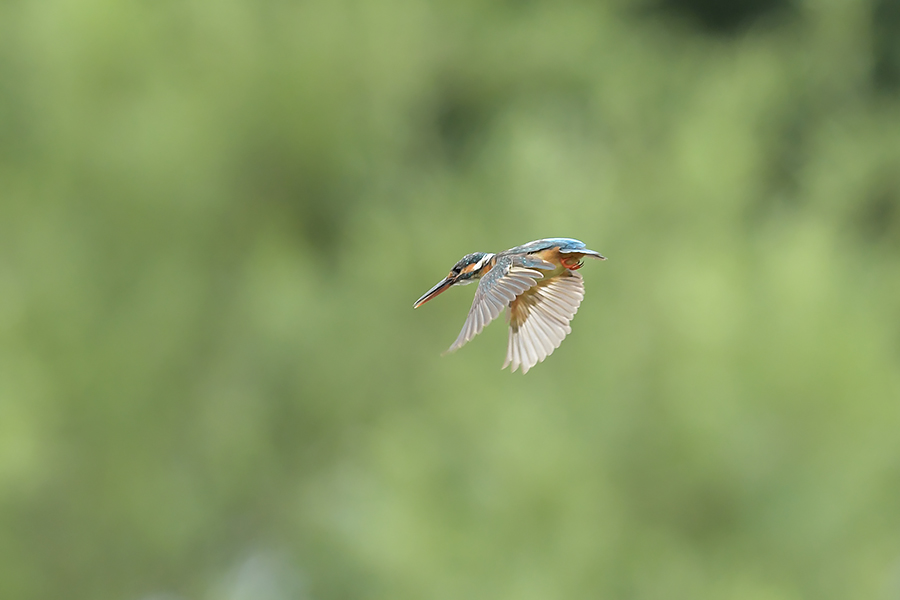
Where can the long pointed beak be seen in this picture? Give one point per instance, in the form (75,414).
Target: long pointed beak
(440,287)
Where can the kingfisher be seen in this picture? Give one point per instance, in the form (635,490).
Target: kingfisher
(537,283)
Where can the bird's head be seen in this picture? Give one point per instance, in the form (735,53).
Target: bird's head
(467,269)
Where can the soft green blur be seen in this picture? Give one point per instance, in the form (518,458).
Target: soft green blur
(215,216)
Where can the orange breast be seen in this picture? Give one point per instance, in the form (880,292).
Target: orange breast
(551,255)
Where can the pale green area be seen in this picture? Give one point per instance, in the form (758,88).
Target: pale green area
(215,217)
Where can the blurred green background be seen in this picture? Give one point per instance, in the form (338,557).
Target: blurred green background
(215,217)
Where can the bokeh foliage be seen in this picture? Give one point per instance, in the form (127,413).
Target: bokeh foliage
(215,217)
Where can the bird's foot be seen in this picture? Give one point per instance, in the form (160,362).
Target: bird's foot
(572,264)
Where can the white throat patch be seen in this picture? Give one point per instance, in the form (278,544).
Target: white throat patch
(487,258)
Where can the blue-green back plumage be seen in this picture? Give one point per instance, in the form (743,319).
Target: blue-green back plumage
(565,245)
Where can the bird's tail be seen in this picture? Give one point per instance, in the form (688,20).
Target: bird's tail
(584,251)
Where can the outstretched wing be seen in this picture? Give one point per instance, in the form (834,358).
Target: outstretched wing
(539,319)
(496,290)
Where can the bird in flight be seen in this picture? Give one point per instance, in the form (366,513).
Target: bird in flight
(537,283)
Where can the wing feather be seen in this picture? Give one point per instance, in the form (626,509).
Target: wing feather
(539,319)
(531,353)
(548,338)
(539,310)
(496,290)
